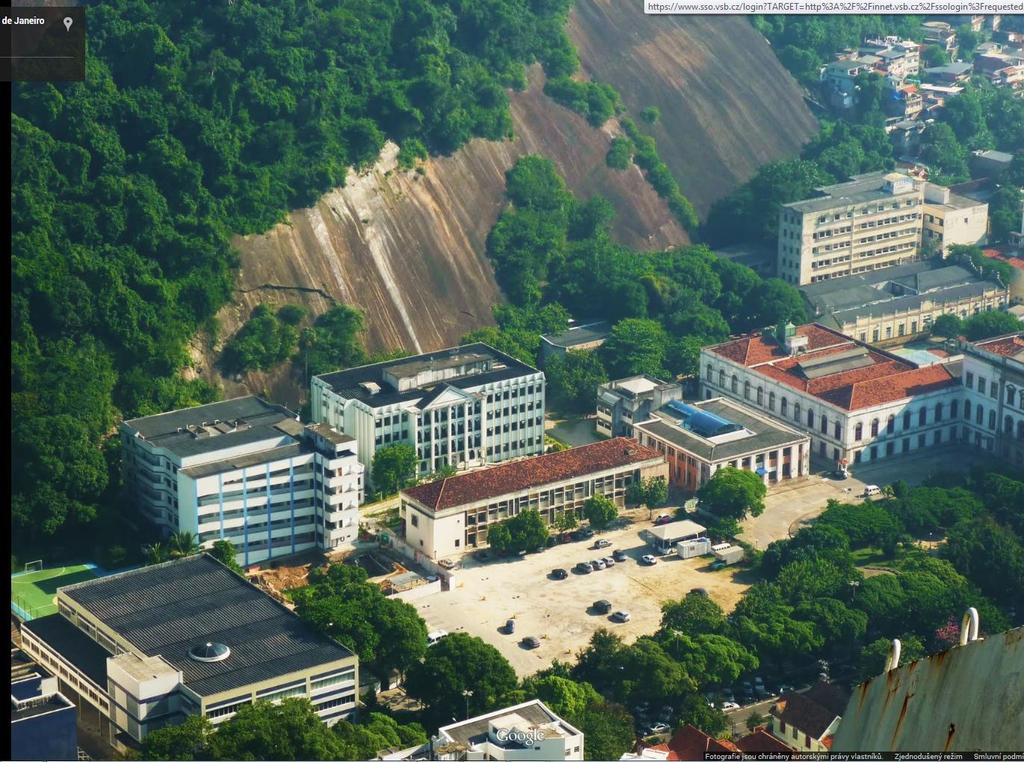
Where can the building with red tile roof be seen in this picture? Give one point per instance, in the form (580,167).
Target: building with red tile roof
(857,402)
(447,516)
(760,741)
(993,392)
(807,721)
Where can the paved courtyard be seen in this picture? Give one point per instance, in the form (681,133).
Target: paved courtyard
(790,504)
(485,595)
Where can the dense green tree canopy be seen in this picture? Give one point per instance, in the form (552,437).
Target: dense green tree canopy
(600,511)
(394,468)
(457,663)
(733,493)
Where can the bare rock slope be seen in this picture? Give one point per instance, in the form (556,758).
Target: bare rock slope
(408,249)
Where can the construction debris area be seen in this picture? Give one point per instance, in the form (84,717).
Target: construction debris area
(395,578)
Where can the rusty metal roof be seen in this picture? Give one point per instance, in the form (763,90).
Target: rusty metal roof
(969,698)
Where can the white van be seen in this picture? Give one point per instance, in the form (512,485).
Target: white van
(436,635)
(871,490)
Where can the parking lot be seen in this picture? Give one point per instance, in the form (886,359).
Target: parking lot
(557,612)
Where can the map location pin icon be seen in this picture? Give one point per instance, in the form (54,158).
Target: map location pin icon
(68,21)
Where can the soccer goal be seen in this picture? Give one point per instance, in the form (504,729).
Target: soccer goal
(34,565)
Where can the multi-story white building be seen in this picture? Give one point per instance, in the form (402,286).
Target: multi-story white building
(950,219)
(857,402)
(527,731)
(871,221)
(993,390)
(246,471)
(148,648)
(461,407)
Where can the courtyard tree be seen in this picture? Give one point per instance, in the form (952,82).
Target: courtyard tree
(600,511)
(733,493)
(460,674)
(187,741)
(290,729)
(695,614)
(394,468)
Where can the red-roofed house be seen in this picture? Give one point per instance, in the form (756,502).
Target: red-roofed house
(687,743)
(447,516)
(857,403)
(807,721)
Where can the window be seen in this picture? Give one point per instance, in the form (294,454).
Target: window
(969,380)
(734,384)
(906,420)
(760,395)
(890,425)
(858,432)
(796,411)
(709,373)
(938,412)
(922,417)
(874,429)
(824,424)
(967,409)
(721,378)
(979,415)
(838,430)
(784,406)
(981,385)
(771,401)
(810,418)
(992,420)
(746,390)
(415,520)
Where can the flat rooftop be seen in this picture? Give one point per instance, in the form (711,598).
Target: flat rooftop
(529,715)
(378,384)
(902,287)
(216,426)
(529,473)
(758,433)
(859,189)
(880,377)
(585,333)
(676,529)
(168,608)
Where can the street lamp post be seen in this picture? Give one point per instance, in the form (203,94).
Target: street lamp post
(466,694)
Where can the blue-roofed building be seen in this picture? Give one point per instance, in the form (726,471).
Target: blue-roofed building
(698,438)
(43,720)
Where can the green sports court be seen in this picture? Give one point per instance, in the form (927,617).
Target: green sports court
(32,593)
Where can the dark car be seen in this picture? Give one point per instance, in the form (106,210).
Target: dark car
(700,591)
(559,574)
(619,555)
(663,519)
(530,642)
(482,555)
(583,568)
(583,534)
(510,626)
(602,606)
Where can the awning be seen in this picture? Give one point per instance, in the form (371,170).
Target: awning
(760,471)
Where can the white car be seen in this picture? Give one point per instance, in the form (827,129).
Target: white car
(648,560)
(621,617)
(728,706)
(436,635)
(657,728)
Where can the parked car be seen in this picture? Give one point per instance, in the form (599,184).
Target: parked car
(530,642)
(598,544)
(700,591)
(648,560)
(608,561)
(435,636)
(559,574)
(871,490)
(728,706)
(583,534)
(602,606)
(657,728)
(619,555)
(510,626)
(717,565)
(621,617)
(583,567)
(446,563)
(597,564)
(663,518)
(482,555)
